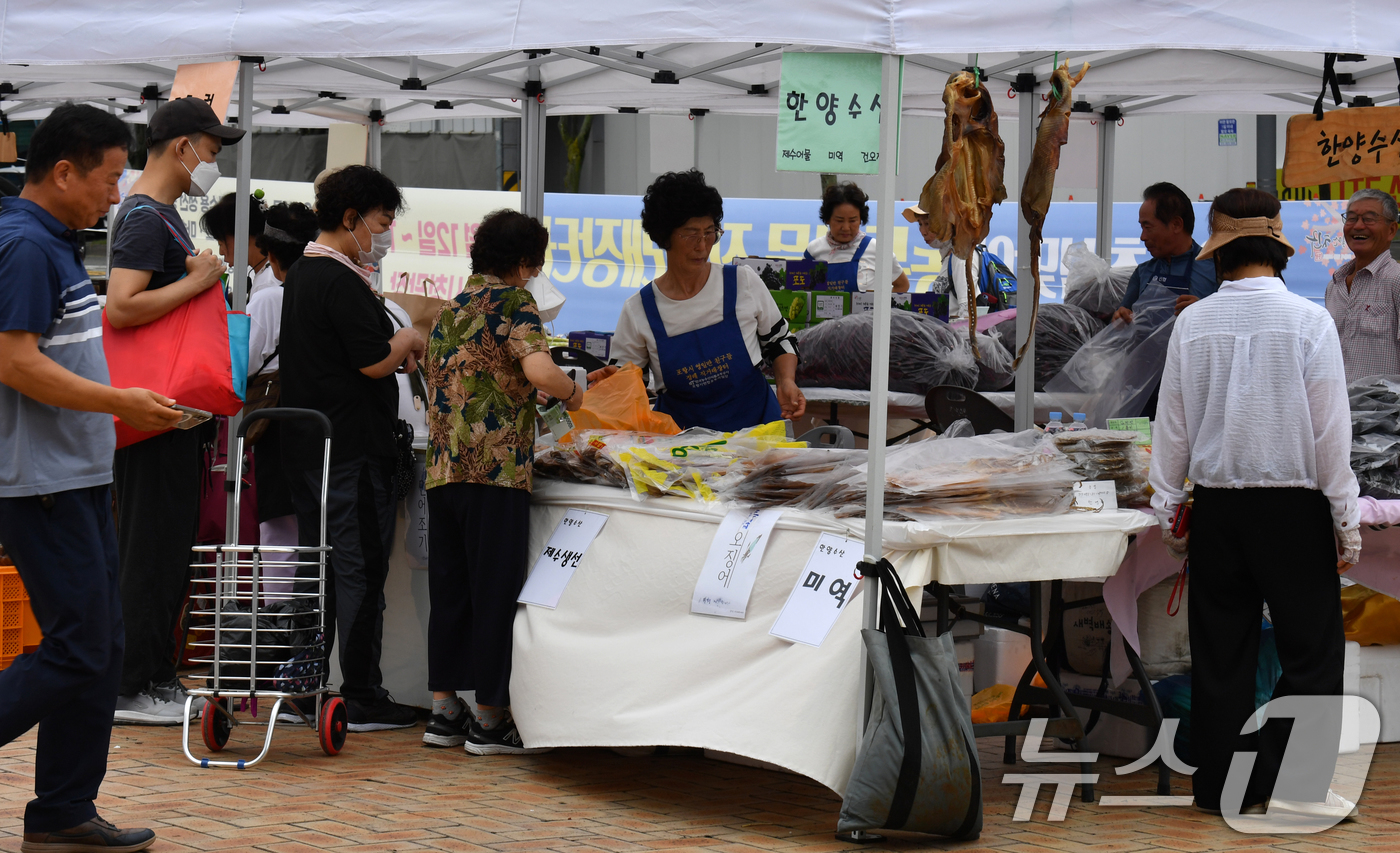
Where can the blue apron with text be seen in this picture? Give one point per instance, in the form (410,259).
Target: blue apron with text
(710,380)
(1178,284)
(843,276)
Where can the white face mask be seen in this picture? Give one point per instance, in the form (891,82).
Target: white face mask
(379,245)
(202,178)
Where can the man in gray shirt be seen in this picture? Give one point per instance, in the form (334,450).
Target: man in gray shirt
(56,473)
(1364,295)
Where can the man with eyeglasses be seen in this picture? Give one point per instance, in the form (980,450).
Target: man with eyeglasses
(1364,295)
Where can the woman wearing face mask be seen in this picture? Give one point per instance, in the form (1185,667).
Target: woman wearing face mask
(157,481)
(339,352)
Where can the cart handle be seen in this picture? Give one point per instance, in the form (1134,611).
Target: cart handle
(286,414)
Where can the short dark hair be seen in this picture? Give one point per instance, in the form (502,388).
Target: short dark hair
(506,240)
(357,188)
(1171,202)
(156,149)
(844,193)
(1241,203)
(675,198)
(296,220)
(79,133)
(218,221)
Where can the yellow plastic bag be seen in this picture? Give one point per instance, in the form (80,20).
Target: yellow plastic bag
(1370,618)
(620,402)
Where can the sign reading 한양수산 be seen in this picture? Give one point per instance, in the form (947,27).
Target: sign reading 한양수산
(829,113)
(1361,142)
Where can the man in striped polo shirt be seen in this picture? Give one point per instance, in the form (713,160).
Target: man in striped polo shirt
(56,429)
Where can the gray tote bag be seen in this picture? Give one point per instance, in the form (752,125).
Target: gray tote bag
(917,770)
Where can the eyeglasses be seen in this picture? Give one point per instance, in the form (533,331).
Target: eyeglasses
(1368,219)
(694,235)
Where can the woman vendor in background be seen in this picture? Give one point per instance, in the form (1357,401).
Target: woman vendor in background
(848,252)
(703,328)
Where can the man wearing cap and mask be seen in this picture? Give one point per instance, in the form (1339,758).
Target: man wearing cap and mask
(957,275)
(155,270)
(1364,295)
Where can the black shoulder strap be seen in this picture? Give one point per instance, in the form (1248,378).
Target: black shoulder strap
(1329,78)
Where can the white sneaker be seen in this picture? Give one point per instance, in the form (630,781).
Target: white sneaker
(174,691)
(1335,806)
(148,709)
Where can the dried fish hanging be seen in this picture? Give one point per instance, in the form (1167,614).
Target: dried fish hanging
(968,177)
(1052,133)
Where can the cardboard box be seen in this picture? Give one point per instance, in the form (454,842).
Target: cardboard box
(967,666)
(795,306)
(806,275)
(773,271)
(933,304)
(597,344)
(829,306)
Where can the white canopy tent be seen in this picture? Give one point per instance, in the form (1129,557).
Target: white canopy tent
(371,62)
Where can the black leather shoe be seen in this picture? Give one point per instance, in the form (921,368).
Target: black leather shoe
(96,834)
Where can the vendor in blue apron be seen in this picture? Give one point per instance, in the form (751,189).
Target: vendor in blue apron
(703,328)
(849,253)
(1167,220)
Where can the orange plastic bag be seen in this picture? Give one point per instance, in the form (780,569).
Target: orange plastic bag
(1370,618)
(993,704)
(620,402)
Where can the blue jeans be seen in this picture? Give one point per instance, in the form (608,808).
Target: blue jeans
(65,549)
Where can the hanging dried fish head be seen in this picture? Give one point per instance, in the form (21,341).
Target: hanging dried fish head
(1050,135)
(969,175)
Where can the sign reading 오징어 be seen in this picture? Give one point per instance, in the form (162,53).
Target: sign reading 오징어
(1344,145)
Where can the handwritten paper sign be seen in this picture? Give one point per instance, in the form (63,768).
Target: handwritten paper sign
(1357,142)
(566,547)
(1096,494)
(731,567)
(211,82)
(824,587)
(829,113)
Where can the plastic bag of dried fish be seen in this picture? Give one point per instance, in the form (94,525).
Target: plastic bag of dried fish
(1100,454)
(924,352)
(690,464)
(984,477)
(581,460)
(1060,333)
(1375,427)
(1091,283)
(785,476)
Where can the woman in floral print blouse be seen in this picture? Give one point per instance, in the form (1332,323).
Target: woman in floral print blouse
(487,358)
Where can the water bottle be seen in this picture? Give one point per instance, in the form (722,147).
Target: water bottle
(1056,424)
(1081,421)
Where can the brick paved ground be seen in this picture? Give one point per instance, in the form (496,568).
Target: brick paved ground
(387,792)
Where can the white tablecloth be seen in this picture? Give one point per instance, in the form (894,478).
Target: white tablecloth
(623,662)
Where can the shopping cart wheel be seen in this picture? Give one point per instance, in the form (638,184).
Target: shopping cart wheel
(215,726)
(335,722)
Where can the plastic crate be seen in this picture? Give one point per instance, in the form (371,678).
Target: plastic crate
(19,632)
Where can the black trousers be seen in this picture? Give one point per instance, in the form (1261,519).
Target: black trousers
(157,487)
(478,546)
(66,554)
(1248,547)
(360,529)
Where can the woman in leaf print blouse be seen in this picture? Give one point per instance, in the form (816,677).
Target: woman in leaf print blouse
(487,357)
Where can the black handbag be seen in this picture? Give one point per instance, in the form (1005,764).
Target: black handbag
(403,459)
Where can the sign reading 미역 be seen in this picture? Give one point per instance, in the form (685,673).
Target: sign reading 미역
(829,113)
(1344,145)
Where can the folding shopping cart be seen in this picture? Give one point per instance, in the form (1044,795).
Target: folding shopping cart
(261,623)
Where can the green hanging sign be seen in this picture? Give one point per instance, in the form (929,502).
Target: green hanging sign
(829,113)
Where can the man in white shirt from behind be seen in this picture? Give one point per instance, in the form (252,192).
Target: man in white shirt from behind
(1254,411)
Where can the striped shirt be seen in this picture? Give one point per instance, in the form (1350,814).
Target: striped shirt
(44,289)
(1368,316)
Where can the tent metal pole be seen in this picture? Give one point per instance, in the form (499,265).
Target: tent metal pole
(376,140)
(880,352)
(1025,374)
(1103,232)
(238,277)
(532,128)
(1266,153)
